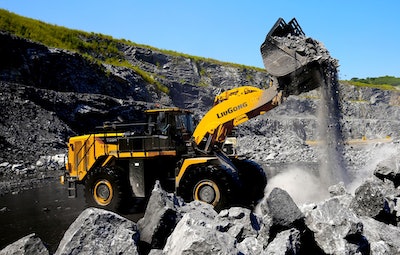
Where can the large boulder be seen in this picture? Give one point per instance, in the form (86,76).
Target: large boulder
(164,210)
(377,199)
(383,238)
(30,244)
(331,222)
(97,231)
(286,242)
(195,234)
(389,169)
(160,218)
(283,210)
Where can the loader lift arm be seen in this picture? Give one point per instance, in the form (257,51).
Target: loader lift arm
(232,108)
(292,72)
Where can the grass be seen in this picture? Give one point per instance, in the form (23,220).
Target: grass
(383,82)
(94,46)
(369,85)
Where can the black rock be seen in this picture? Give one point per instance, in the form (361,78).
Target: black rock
(283,210)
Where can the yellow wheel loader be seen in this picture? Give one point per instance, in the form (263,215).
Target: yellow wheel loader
(124,160)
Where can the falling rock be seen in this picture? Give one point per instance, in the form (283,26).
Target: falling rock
(97,231)
(285,242)
(195,234)
(383,238)
(161,216)
(283,210)
(389,169)
(30,244)
(331,221)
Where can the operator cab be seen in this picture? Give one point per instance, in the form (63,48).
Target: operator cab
(170,120)
(175,123)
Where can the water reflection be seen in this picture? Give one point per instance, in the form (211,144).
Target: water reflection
(46,211)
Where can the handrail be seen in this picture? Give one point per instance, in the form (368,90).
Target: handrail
(87,151)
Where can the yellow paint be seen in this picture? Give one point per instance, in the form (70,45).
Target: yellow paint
(189,162)
(86,149)
(232,108)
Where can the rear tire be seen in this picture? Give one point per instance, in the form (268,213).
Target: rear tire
(210,184)
(108,188)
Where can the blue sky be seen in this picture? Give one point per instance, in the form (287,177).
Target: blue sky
(363,35)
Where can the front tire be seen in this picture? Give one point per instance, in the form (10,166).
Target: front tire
(254,181)
(210,184)
(107,188)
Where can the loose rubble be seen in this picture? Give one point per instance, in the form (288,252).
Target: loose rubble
(367,222)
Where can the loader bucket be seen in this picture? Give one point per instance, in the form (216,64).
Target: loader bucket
(292,58)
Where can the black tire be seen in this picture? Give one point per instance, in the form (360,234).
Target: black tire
(254,181)
(108,188)
(211,184)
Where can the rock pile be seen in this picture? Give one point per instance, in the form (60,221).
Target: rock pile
(367,222)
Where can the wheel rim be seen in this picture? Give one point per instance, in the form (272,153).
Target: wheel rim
(103,192)
(207,191)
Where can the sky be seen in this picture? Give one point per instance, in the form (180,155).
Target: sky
(361,35)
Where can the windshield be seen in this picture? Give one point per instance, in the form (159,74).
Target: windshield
(185,122)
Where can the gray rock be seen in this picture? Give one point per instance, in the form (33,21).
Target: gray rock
(331,221)
(195,234)
(5,164)
(389,169)
(264,232)
(337,189)
(30,244)
(160,218)
(383,238)
(250,246)
(156,252)
(238,222)
(377,199)
(286,242)
(356,241)
(98,231)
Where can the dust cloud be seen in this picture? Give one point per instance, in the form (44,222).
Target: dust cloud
(302,186)
(375,153)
